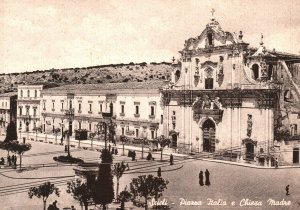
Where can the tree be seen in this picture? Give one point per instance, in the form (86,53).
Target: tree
(11,132)
(118,171)
(37,129)
(56,131)
(103,191)
(7,146)
(124,197)
(282,133)
(148,187)
(163,142)
(80,192)
(43,191)
(92,136)
(20,149)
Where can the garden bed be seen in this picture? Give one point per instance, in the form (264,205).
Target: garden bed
(68,159)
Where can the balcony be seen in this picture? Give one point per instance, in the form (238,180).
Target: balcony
(69,112)
(152,116)
(122,114)
(129,133)
(136,115)
(90,112)
(79,111)
(53,110)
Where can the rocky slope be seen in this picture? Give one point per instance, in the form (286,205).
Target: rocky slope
(89,75)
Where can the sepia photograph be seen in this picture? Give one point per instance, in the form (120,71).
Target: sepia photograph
(149,104)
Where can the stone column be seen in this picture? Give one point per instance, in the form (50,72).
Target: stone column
(200,141)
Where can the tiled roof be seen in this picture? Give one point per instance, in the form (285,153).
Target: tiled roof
(80,88)
(8,94)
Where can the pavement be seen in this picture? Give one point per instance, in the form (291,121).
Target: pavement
(97,145)
(169,151)
(228,182)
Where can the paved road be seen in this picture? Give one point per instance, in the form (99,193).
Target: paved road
(228,183)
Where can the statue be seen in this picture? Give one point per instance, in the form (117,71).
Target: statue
(217,103)
(249,125)
(206,104)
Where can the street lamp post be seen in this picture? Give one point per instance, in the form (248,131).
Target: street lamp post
(20,132)
(70,115)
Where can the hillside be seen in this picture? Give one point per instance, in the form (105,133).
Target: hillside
(89,75)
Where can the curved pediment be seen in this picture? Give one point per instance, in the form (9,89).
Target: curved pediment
(214,32)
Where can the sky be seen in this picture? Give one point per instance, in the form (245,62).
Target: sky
(46,34)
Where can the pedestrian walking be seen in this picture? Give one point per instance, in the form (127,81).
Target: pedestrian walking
(287,189)
(207,182)
(133,156)
(8,160)
(16,158)
(2,162)
(171,159)
(159,172)
(201,178)
(13,159)
(149,156)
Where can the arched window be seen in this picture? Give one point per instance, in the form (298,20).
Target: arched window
(35,93)
(270,72)
(28,93)
(209,81)
(21,93)
(255,71)
(177,75)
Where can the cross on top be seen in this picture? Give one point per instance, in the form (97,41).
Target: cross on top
(212,12)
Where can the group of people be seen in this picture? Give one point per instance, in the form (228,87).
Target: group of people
(132,154)
(201,180)
(113,150)
(11,160)
(149,156)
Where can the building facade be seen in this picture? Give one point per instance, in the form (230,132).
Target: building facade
(8,110)
(135,107)
(28,108)
(226,97)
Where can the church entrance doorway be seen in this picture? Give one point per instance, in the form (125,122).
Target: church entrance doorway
(209,131)
(249,151)
(174,140)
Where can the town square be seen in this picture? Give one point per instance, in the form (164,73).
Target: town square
(149,104)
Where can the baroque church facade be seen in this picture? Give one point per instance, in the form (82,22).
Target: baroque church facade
(226,97)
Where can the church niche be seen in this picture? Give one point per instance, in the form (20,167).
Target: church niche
(209,81)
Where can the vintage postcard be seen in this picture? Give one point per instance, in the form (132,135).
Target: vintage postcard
(152,104)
